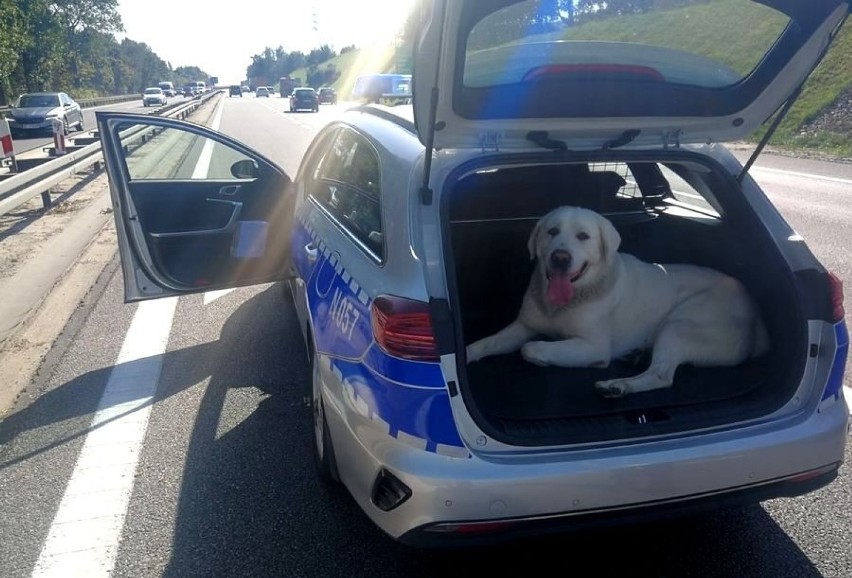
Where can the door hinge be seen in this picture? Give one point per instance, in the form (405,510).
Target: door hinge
(671,139)
(489,141)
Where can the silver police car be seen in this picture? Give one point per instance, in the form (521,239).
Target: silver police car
(403,238)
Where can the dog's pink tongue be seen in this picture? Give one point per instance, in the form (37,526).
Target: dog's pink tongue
(560,290)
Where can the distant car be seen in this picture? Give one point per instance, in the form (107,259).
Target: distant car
(189,91)
(327,95)
(261,91)
(304,98)
(154,96)
(168,87)
(33,113)
(235,90)
(271,89)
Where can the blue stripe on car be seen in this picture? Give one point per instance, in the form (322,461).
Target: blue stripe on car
(834,384)
(406,399)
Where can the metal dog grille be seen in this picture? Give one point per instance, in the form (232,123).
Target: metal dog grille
(630,190)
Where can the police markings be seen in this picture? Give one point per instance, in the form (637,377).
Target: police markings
(345,315)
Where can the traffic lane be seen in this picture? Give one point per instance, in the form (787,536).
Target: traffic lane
(267,126)
(820,211)
(23,144)
(226,484)
(790,162)
(41,436)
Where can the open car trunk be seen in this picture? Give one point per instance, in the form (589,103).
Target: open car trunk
(677,211)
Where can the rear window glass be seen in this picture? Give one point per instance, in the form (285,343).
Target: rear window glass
(705,43)
(38,100)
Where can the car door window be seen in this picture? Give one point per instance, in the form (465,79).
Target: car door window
(347,182)
(164,153)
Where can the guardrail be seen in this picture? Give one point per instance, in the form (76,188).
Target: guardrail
(22,187)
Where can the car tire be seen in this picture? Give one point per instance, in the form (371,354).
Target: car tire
(324,460)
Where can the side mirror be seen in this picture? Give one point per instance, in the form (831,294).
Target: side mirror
(245,169)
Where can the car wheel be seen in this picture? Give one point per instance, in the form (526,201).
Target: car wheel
(80,127)
(323,451)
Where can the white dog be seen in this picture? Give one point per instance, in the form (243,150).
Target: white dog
(598,305)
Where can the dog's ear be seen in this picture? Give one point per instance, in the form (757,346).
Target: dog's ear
(533,239)
(610,239)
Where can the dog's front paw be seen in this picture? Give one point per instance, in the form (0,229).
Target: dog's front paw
(613,388)
(536,352)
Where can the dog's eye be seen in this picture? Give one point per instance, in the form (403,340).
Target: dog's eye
(583,236)
(553,231)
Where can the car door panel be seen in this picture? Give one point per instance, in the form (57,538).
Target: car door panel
(195,210)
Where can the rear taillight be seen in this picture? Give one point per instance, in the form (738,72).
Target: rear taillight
(838,313)
(403,328)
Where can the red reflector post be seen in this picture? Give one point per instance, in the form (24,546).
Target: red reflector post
(403,328)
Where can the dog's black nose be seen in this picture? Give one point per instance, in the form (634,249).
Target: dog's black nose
(560,260)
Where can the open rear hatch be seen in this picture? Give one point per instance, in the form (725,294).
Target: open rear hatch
(602,83)
(505,72)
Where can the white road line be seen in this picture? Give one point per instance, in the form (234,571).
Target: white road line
(84,536)
(847,393)
(200,172)
(202,168)
(798,174)
(212,296)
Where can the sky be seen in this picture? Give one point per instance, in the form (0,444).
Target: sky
(220,38)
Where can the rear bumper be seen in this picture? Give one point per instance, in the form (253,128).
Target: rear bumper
(450,535)
(485,499)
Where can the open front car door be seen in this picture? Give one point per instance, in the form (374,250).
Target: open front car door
(194,210)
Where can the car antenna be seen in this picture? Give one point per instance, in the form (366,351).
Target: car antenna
(542,139)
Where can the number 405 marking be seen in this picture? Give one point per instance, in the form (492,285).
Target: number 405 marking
(344,314)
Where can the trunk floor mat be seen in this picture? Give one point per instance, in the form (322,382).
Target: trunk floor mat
(508,387)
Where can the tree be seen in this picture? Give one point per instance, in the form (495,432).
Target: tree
(12,40)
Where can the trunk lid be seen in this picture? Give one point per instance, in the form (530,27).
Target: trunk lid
(501,74)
